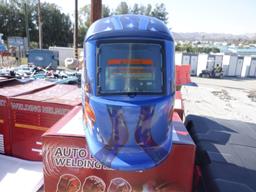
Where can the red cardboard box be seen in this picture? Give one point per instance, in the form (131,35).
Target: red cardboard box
(9,89)
(69,166)
(35,113)
(178,105)
(182,74)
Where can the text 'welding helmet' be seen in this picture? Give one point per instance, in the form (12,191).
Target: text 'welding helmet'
(128,91)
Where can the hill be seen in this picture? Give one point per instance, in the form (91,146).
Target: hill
(201,36)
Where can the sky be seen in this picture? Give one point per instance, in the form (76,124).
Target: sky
(211,16)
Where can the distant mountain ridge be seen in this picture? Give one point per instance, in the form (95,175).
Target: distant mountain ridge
(201,36)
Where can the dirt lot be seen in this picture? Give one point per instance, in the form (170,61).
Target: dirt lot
(233,99)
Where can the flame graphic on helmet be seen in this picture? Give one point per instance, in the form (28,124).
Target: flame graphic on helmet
(119,137)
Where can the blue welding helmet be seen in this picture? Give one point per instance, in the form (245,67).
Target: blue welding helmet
(128,91)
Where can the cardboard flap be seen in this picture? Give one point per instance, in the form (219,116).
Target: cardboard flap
(19,175)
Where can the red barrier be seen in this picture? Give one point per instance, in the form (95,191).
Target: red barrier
(182,74)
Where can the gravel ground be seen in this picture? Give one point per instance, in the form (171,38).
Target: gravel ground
(233,99)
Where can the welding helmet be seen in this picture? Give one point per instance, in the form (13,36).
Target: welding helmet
(128,91)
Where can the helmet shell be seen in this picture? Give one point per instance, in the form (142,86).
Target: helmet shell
(128,91)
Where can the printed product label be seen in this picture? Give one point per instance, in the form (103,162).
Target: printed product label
(75,158)
(73,169)
(39,109)
(92,183)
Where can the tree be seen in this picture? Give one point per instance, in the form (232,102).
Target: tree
(136,9)
(189,48)
(105,11)
(14,22)
(148,9)
(141,9)
(57,27)
(84,20)
(10,21)
(122,8)
(30,6)
(160,12)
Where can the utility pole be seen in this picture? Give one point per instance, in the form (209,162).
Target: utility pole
(76,30)
(96,10)
(40,25)
(27,27)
